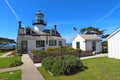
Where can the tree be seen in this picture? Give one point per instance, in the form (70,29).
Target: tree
(104,47)
(105,36)
(92,30)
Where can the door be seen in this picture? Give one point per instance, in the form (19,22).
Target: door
(93,46)
(77,45)
(24,47)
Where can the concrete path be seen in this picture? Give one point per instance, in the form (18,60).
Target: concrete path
(5,55)
(29,71)
(10,69)
(97,55)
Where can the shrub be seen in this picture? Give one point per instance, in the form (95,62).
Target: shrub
(50,49)
(47,63)
(36,52)
(57,68)
(69,49)
(67,65)
(79,50)
(71,64)
(16,63)
(18,54)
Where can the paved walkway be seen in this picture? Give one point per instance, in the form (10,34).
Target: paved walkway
(6,54)
(10,69)
(29,71)
(97,55)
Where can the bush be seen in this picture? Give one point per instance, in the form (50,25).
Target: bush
(36,52)
(71,64)
(79,50)
(57,68)
(47,63)
(67,65)
(18,54)
(52,50)
(69,49)
(16,63)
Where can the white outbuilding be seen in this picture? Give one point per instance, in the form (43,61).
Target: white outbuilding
(114,44)
(87,42)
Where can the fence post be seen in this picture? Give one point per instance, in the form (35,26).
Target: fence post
(79,54)
(61,52)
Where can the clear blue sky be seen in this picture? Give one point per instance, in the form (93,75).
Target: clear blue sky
(66,14)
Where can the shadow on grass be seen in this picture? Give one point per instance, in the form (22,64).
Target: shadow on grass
(76,70)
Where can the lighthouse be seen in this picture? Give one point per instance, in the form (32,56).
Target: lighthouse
(39,23)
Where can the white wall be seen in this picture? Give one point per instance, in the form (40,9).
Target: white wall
(78,39)
(32,45)
(88,45)
(98,46)
(114,46)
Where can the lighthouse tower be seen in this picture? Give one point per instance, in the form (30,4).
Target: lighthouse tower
(39,23)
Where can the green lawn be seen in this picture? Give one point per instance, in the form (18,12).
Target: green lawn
(7,61)
(98,69)
(2,52)
(14,75)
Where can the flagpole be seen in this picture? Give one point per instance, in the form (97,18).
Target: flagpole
(74,32)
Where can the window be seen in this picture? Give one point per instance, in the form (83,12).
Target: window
(28,31)
(60,43)
(40,43)
(52,42)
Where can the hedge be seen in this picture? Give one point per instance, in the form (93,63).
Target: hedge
(67,65)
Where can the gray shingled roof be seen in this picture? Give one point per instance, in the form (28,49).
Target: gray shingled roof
(89,37)
(30,37)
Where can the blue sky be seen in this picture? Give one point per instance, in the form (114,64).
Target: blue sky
(66,14)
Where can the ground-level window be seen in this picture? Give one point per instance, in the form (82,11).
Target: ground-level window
(52,42)
(60,43)
(40,43)
(78,45)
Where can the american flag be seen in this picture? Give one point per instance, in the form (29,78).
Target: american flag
(74,28)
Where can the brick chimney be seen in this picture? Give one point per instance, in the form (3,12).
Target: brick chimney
(55,29)
(19,24)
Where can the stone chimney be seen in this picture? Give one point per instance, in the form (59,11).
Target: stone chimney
(19,24)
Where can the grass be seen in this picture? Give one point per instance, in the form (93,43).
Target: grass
(14,75)
(7,61)
(3,52)
(98,69)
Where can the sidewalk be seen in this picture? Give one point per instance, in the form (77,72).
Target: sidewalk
(10,69)
(96,55)
(6,54)
(29,71)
